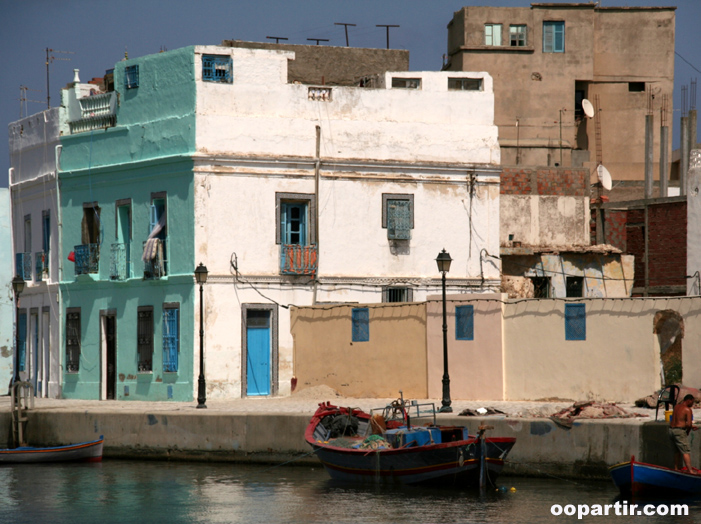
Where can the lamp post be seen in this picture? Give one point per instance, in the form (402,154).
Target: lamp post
(201,278)
(17,287)
(443,260)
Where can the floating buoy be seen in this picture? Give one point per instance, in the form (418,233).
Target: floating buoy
(513,490)
(502,489)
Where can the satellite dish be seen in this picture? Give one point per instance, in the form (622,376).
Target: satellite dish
(588,109)
(604,176)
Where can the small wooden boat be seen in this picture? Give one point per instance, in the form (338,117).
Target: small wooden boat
(638,478)
(84,451)
(386,448)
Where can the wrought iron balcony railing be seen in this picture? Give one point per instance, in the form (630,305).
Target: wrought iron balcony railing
(120,261)
(87,259)
(298,260)
(23,265)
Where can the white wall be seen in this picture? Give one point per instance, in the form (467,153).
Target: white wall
(33,190)
(693,222)
(257,136)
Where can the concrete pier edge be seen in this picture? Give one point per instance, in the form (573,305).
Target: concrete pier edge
(543,448)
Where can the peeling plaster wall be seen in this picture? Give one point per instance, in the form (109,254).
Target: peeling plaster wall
(257,137)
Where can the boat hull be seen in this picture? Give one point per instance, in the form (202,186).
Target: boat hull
(444,455)
(638,478)
(82,452)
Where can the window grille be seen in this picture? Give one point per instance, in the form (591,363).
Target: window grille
(541,287)
(575,322)
(574,287)
(406,83)
(399,219)
(517,35)
(464,84)
(361,324)
(397,294)
(553,37)
(72,341)
(216,68)
(492,34)
(145,339)
(171,341)
(131,77)
(464,323)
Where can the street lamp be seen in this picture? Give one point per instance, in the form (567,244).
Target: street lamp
(443,260)
(17,287)
(201,278)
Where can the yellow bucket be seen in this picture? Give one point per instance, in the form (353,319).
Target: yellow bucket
(668,416)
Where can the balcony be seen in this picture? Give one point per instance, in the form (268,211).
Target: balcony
(120,261)
(298,260)
(96,112)
(41,266)
(155,262)
(23,265)
(87,258)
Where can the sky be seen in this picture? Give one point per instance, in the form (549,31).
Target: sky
(93,35)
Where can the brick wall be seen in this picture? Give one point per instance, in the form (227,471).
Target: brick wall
(546,181)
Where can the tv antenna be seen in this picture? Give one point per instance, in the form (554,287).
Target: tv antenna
(50,58)
(346,27)
(23,99)
(277,38)
(317,40)
(386,26)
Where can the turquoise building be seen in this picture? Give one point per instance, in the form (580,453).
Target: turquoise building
(127,232)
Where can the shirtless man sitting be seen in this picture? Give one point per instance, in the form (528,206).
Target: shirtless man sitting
(679,428)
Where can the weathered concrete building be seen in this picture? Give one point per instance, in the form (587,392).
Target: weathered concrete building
(545,238)
(547,58)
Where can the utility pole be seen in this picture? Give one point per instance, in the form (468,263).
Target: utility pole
(346,27)
(387,26)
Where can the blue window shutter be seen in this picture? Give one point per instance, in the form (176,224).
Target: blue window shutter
(398,219)
(293,223)
(47,232)
(170,340)
(154,218)
(361,324)
(22,340)
(553,37)
(575,322)
(464,323)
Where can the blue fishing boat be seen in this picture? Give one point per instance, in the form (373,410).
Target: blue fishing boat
(355,446)
(82,452)
(637,478)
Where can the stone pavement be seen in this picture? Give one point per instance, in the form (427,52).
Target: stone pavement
(305,402)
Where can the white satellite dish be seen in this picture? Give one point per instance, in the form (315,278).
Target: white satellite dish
(588,108)
(604,176)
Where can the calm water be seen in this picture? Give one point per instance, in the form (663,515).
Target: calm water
(130,491)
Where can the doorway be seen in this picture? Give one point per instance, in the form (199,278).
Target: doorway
(259,355)
(108,330)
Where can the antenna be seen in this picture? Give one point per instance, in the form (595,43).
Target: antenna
(685,100)
(317,40)
(50,58)
(277,38)
(692,95)
(346,26)
(387,26)
(23,99)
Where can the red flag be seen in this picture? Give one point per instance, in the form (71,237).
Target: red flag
(71,256)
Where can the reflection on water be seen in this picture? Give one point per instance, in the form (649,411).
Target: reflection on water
(130,491)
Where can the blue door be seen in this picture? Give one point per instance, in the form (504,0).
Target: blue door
(258,351)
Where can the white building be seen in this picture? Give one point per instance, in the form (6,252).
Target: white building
(315,194)
(35,219)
